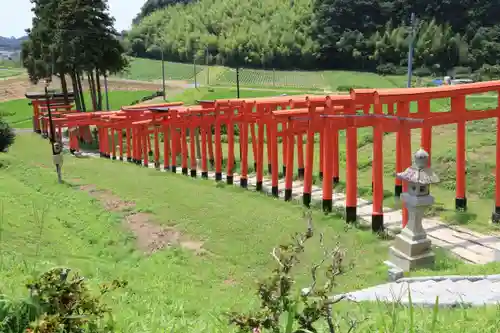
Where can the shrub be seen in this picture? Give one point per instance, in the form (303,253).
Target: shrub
(7,135)
(422,72)
(58,302)
(348,88)
(461,71)
(301,309)
(387,69)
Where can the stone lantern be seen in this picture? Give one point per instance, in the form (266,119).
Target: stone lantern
(412,248)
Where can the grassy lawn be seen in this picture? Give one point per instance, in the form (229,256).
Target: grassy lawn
(151,70)
(19,114)
(190,96)
(174,289)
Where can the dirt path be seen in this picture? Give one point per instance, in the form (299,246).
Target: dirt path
(17,86)
(150,236)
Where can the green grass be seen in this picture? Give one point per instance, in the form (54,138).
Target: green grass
(19,114)
(174,290)
(150,70)
(190,96)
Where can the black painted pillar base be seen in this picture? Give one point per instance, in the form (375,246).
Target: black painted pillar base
(113,158)
(398,189)
(274,191)
(166,168)
(138,162)
(495,217)
(212,162)
(72,151)
(185,171)
(377,222)
(258,186)
(306,199)
(300,172)
(336,180)
(100,154)
(157,165)
(288,194)
(218,176)
(284,169)
(327,205)
(350,214)
(121,158)
(461,204)
(38,131)
(255,166)
(129,159)
(193,173)
(269,168)
(244,182)
(173,168)
(204,174)
(229,180)
(321,175)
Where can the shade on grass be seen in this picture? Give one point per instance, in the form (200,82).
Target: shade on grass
(238,228)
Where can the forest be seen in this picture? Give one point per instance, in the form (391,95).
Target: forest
(311,34)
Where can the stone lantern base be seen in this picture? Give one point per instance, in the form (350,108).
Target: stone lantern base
(409,254)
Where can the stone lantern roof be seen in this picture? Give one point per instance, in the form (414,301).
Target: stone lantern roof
(419,173)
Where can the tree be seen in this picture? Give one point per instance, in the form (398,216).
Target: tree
(75,38)
(7,135)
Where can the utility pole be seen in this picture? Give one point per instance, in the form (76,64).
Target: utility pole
(238,81)
(106,90)
(410,50)
(194,69)
(56,146)
(163,74)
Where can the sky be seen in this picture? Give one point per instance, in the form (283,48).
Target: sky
(14,25)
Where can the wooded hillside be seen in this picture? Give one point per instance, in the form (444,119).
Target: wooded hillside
(350,34)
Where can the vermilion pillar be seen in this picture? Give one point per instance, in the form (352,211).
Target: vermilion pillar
(327,168)
(129,144)
(184,150)
(335,155)
(157,145)
(244,148)
(230,153)
(300,156)
(351,171)
(260,148)
(289,162)
(406,152)
(495,217)
(166,148)
(424,107)
(378,173)
(273,139)
(458,108)
(192,151)
(204,158)
(309,159)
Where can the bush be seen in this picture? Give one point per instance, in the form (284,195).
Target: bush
(422,72)
(58,302)
(461,70)
(7,135)
(387,69)
(348,88)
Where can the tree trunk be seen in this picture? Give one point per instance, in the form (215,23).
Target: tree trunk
(64,87)
(76,93)
(80,91)
(98,87)
(90,77)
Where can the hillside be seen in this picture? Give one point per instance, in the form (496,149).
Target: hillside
(11,44)
(359,34)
